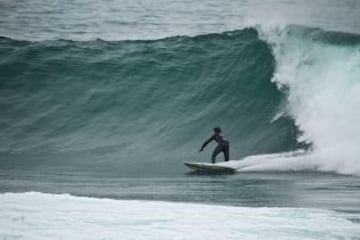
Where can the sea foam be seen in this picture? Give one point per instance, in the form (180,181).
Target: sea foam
(35,215)
(322,85)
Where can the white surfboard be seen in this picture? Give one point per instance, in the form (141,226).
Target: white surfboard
(210,167)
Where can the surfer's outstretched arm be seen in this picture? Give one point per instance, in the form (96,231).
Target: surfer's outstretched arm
(207,142)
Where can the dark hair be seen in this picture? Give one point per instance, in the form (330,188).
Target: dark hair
(217,129)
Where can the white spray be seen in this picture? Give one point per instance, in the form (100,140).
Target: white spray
(322,83)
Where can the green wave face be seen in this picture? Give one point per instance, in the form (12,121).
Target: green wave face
(138,106)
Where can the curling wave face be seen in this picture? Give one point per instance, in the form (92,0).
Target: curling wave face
(128,105)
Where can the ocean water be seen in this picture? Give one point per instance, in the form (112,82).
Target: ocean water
(101,102)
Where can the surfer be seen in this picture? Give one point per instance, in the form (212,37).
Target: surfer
(223,144)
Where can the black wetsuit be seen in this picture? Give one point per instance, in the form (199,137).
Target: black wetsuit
(223,146)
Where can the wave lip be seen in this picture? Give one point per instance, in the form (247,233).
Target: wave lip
(319,72)
(35,215)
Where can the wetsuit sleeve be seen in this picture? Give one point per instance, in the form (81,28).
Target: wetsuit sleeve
(207,141)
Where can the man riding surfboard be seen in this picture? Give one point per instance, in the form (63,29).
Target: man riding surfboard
(223,145)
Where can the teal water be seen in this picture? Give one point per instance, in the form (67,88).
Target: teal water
(139,107)
(117,119)
(107,100)
(117,104)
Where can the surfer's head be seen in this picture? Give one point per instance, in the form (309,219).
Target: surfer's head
(217,129)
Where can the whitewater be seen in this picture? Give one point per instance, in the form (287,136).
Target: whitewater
(42,216)
(323,87)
